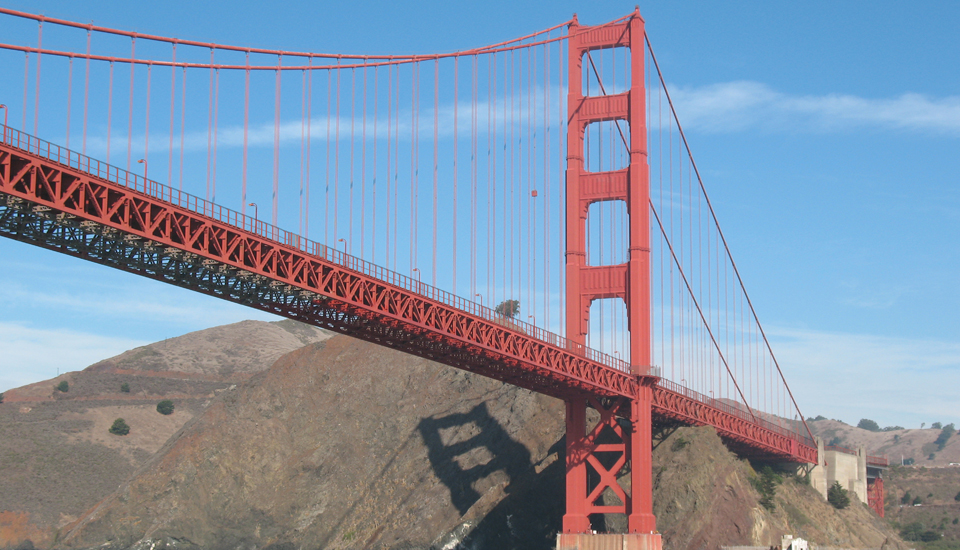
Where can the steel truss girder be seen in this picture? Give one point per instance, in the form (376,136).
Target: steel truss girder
(746,437)
(140,233)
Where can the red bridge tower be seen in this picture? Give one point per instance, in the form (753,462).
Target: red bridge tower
(588,452)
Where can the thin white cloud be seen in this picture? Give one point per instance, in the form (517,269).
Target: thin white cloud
(737,106)
(31,355)
(895,381)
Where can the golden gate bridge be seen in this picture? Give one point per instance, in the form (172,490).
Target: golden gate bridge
(553,231)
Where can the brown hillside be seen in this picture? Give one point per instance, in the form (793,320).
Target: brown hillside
(896,444)
(56,456)
(348,445)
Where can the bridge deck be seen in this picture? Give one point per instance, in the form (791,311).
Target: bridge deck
(60,200)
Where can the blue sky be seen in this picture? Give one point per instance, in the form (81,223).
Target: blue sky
(827,134)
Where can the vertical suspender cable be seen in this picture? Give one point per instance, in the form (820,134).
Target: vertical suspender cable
(216,124)
(363,167)
(276,144)
(389,145)
(109,112)
(326,213)
(146,128)
(69,98)
(303,141)
(336,163)
(183,118)
(376,115)
(436,117)
(456,92)
(26,88)
(353,119)
(36,91)
(173,95)
(133,51)
(210,125)
(86,95)
(306,208)
(246,132)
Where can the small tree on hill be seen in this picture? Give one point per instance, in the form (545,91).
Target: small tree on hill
(837,496)
(957,498)
(936,425)
(124,388)
(917,501)
(905,499)
(867,424)
(119,427)
(508,308)
(165,407)
(1,398)
(63,386)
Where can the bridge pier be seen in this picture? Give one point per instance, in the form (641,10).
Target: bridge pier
(590,541)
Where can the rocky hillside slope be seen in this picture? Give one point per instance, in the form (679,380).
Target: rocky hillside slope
(57,458)
(344,444)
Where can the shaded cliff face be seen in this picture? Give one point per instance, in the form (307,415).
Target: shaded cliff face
(348,445)
(340,445)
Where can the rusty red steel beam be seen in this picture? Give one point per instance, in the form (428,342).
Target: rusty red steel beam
(49,177)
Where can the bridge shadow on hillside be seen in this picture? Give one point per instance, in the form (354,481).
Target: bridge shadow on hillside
(531,514)
(459,465)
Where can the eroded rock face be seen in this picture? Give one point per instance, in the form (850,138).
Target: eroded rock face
(703,497)
(341,445)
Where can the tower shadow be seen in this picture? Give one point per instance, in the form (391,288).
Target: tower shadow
(504,453)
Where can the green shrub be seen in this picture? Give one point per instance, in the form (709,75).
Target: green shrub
(1,398)
(867,424)
(956,521)
(119,427)
(917,500)
(766,484)
(63,386)
(929,536)
(834,442)
(124,388)
(957,498)
(165,407)
(906,498)
(892,428)
(837,496)
(936,425)
(912,531)
(679,443)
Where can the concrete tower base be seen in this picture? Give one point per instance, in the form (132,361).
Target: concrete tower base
(629,541)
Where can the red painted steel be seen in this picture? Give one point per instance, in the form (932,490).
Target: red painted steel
(875,495)
(629,282)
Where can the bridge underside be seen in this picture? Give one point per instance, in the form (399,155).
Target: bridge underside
(51,206)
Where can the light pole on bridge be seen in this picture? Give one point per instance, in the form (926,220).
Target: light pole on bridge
(5,112)
(254,205)
(344,241)
(144,163)
(419,284)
